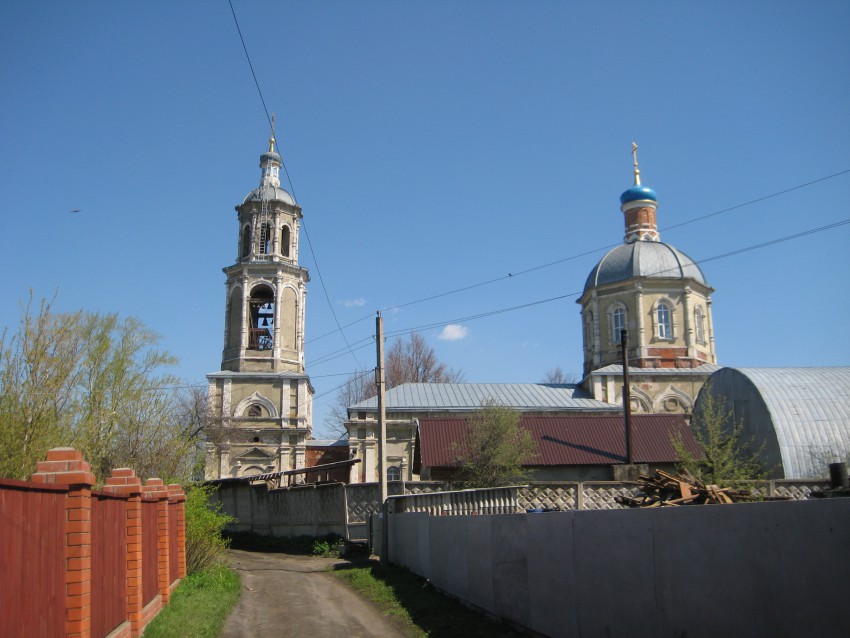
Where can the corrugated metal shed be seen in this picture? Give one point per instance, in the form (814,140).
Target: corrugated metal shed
(808,408)
(569,439)
(465,397)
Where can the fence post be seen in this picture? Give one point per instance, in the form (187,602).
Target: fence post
(125,483)
(155,488)
(177,497)
(65,466)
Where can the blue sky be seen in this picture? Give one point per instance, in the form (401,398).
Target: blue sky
(432,146)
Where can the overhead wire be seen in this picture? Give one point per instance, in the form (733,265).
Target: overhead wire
(586,253)
(288,178)
(490,313)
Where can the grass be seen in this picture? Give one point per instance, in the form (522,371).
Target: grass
(418,606)
(199,605)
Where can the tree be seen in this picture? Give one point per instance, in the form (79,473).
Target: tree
(410,361)
(496,448)
(557,376)
(93,382)
(414,361)
(727,459)
(358,387)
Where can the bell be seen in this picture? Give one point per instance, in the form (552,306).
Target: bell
(265,322)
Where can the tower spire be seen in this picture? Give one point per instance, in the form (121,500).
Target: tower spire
(271,139)
(634,157)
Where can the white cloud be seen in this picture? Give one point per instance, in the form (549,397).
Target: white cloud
(453,332)
(350,303)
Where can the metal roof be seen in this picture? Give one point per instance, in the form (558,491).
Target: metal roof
(702,370)
(653,259)
(810,413)
(465,397)
(569,439)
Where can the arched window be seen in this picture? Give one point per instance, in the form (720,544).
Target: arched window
(255,410)
(265,239)
(261,306)
(616,322)
(699,325)
(663,322)
(284,241)
(245,248)
(588,330)
(393,473)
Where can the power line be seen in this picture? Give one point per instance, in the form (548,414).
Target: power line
(585,253)
(482,315)
(289,179)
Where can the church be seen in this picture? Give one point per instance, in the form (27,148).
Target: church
(261,400)
(662,298)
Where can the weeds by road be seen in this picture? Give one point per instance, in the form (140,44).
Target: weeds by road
(199,605)
(417,605)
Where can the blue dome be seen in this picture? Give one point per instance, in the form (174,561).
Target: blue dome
(637,193)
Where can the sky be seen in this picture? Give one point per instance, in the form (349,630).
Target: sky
(433,146)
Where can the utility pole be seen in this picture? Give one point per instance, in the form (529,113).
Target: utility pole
(627,397)
(382,441)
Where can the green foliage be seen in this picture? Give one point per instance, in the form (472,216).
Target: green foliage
(199,606)
(414,603)
(728,460)
(496,448)
(205,522)
(325,548)
(93,382)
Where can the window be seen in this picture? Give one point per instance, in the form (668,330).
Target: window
(262,307)
(616,323)
(665,330)
(699,325)
(255,410)
(265,239)
(394,473)
(284,241)
(246,242)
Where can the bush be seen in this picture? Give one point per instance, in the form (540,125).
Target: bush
(204,525)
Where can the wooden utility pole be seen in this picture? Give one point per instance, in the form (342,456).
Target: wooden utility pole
(627,397)
(382,409)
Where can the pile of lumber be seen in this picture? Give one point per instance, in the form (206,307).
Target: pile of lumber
(666,490)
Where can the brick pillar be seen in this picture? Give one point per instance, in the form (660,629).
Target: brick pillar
(154,487)
(177,498)
(124,482)
(65,466)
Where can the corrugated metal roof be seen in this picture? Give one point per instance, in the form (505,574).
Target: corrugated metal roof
(569,439)
(810,410)
(704,369)
(449,397)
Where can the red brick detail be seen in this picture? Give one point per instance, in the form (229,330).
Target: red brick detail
(78,562)
(162,550)
(64,454)
(134,561)
(177,498)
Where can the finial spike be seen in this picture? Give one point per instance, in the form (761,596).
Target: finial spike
(271,139)
(637,170)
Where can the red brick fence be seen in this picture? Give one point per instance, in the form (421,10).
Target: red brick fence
(79,562)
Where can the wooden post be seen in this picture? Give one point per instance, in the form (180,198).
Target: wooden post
(382,437)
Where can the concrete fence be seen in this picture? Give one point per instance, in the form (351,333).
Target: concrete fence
(335,508)
(80,562)
(768,569)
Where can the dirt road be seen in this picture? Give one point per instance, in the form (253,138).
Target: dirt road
(292,597)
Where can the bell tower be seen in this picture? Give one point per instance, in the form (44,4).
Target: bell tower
(261,400)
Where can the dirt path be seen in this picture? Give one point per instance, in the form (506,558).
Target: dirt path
(292,596)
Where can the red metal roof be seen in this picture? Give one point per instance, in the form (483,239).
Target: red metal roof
(569,439)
